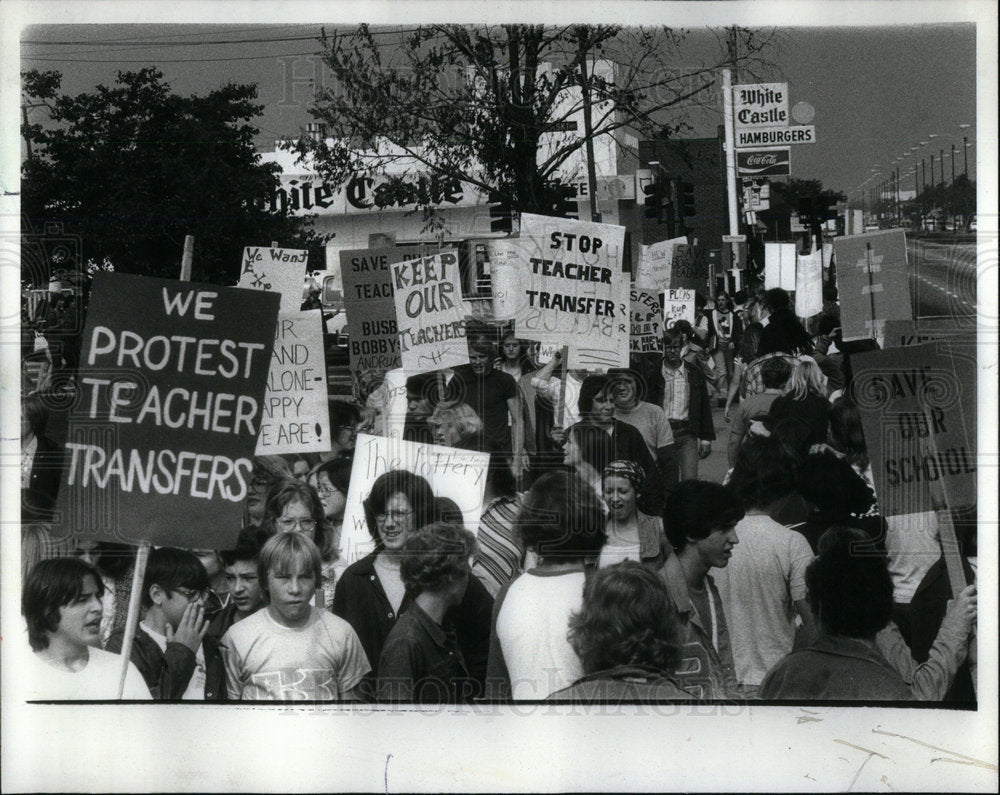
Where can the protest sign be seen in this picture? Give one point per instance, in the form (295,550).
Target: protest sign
(678,305)
(575,291)
(903,333)
(296,413)
(279,270)
(162,436)
(656,262)
(689,267)
(459,475)
(647,322)
(809,284)
(372,336)
(873,282)
(918,409)
(430,313)
(779,266)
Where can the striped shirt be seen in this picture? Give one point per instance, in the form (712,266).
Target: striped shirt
(501,553)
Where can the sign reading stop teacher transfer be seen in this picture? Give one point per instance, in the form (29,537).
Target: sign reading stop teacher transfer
(296,414)
(575,291)
(430,314)
(160,444)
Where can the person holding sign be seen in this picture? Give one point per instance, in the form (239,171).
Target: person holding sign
(61,604)
(292,650)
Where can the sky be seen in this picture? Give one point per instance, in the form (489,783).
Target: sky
(877,90)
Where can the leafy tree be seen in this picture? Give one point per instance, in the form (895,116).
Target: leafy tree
(130,169)
(787,194)
(498,107)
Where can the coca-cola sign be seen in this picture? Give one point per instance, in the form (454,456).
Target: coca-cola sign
(763,162)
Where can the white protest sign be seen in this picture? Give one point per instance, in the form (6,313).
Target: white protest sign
(395,405)
(430,313)
(295,416)
(280,270)
(779,266)
(506,268)
(575,291)
(656,263)
(459,475)
(678,304)
(809,284)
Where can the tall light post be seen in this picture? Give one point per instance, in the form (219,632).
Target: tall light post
(965,146)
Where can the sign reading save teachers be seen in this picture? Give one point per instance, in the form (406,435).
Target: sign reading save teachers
(161,439)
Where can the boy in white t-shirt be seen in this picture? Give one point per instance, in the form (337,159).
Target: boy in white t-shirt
(61,603)
(291,650)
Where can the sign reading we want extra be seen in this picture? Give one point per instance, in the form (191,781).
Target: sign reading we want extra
(162,435)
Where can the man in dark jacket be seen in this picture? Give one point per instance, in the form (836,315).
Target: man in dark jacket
(782,330)
(170,649)
(686,404)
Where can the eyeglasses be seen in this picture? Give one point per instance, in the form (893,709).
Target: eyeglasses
(397,516)
(327,491)
(190,595)
(288,525)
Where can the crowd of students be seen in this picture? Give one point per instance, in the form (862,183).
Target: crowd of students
(602,568)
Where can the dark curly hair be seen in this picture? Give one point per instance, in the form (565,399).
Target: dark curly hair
(592,386)
(764,472)
(697,508)
(51,585)
(562,518)
(416,490)
(434,556)
(850,590)
(626,619)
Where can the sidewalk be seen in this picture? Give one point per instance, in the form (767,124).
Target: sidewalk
(717,464)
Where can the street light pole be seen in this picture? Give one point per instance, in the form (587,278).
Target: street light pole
(965,152)
(953,164)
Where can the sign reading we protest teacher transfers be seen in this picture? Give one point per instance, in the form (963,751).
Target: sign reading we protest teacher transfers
(162,436)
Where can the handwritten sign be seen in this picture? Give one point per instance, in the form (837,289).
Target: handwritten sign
(373,338)
(430,313)
(296,414)
(689,267)
(647,322)
(279,270)
(874,282)
(918,407)
(656,262)
(678,305)
(575,291)
(459,475)
(161,440)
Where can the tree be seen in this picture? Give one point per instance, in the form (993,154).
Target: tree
(129,170)
(499,107)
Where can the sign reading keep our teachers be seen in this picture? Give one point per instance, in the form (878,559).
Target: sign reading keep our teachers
(161,439)
(575,292)
(296,412)
(430,313)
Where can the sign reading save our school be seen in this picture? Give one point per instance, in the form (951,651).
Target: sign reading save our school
(575,291)
(296,412)
(161,439)
(430,314)
(918,410)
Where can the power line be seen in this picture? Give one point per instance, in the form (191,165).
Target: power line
(154,61)
(154,43)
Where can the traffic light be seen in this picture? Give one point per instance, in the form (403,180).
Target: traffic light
(685,191)
(817,209)
(654,200)
(501,213)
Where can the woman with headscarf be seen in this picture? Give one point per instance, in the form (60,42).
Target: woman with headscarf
(632,534)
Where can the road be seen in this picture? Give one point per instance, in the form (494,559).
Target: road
(943,279)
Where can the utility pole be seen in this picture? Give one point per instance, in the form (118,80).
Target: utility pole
(588,129)
(953,164)
(965,152)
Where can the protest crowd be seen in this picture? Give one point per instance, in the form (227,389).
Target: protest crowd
(601,567)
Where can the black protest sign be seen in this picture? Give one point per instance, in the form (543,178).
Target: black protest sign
(372,336)
(917,407)
(162,435)
(689,268)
